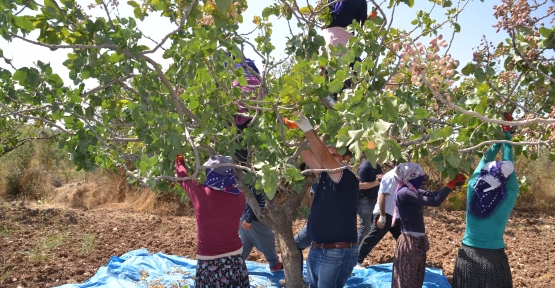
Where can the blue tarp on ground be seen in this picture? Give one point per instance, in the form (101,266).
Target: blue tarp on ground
(139,268)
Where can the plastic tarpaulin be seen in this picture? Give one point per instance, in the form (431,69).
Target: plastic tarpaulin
(139,268)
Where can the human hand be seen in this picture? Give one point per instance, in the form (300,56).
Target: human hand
(381,222)
(459,180)
(303,123)
(246,225)
(508,117)
(179,158)
(379,177)
(289,123)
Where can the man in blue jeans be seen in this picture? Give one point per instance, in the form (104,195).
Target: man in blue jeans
(369,186)
(332,224)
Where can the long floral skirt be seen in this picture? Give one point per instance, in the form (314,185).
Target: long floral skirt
(224,272)
(410,261)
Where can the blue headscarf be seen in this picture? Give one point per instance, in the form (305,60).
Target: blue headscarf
(251,64)
(489,190)
(337,7)
(221,178)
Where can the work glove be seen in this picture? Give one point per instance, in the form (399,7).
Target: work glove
(508,117)
(246,225)
(303,123)
(381,222)
(459,180)
(179,158)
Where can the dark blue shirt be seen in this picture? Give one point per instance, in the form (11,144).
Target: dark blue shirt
(367,173)
(248,213)
(333,216)
(353,10)
(411,206)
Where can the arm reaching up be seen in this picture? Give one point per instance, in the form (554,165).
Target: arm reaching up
(320,153)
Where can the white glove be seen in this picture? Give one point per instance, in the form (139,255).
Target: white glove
(381,222)
(303,123)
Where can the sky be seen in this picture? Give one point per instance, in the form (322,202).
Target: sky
(476,20)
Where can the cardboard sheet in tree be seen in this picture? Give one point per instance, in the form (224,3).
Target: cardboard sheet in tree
(139,268)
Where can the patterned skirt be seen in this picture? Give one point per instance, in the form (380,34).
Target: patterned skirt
(484,268)
(224,272)
(409,264)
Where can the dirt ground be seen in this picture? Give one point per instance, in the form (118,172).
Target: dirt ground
(45,247)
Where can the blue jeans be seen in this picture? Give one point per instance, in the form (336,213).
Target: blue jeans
(261,237)
(365,213)
(330,268)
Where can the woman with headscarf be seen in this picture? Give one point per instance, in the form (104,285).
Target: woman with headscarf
(241,119)
(410,254)
(492,192)
(218,206)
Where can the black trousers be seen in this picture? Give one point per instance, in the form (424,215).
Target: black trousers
(376,234)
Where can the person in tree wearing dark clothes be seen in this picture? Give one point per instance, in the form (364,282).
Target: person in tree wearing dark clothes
(332,223)
(382,219)
(369,178)
(410,254)
(491,196)
(343,13)
(255,234)
(218,206)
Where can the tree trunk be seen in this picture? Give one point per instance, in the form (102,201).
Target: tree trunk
(280,219)
(283,220)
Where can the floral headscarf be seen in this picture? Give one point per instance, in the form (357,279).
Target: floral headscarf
(410,175)
(489,190)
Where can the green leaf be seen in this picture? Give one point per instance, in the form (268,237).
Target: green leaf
(442,133)
(480,75)
(453,159)
(159,4)
(23,23)
(469,69)
(335,86)
(395,149)
(21,74)
(421,113)
(223,5)
(545,32)
(319,79)
(266,12)
(490,72)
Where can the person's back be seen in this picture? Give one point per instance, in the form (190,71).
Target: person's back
(218,207)
(343,13)
(217,215)
(486,231)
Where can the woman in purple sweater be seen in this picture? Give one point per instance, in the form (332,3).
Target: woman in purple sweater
(410,254)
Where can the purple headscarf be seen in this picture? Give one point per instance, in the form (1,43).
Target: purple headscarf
(337,7)
(489,189)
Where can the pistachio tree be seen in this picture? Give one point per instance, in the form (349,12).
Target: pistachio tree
(123,107)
